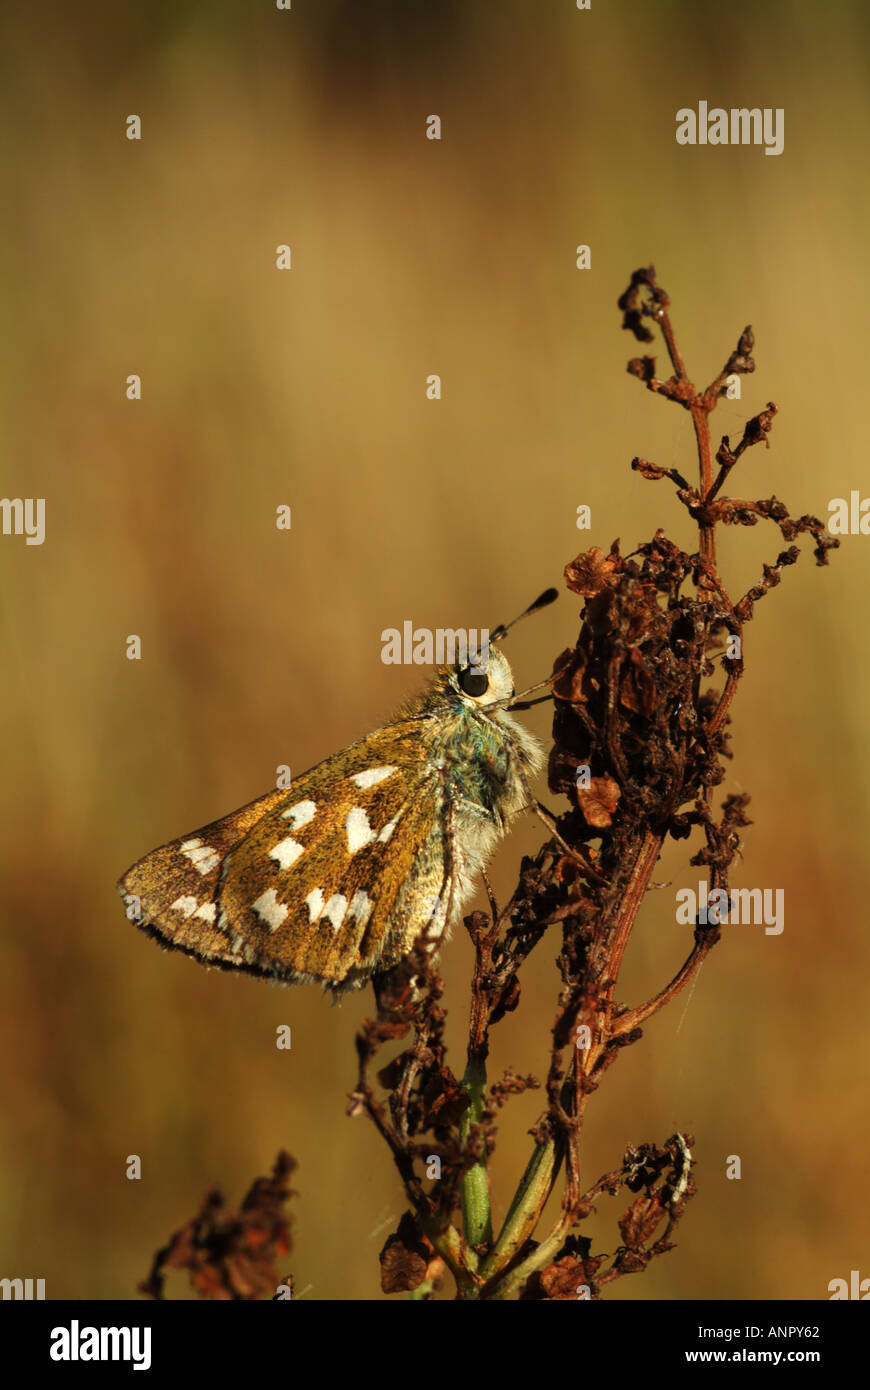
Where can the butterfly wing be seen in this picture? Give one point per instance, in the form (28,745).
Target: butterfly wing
(322,881)
(338,881)
(172,893)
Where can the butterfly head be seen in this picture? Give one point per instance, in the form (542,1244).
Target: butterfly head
(488,683)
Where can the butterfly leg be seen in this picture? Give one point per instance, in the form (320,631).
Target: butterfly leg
(549,820)
(493,905)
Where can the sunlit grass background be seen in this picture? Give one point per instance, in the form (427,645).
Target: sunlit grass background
(262,647)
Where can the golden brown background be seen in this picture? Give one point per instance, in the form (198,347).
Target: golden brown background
(262,647)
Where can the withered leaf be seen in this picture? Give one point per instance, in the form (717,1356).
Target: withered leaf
(567,682)
(445,1100)
(405,1258)
(390,1075)
(598,801)
(593,570)
(640,1221)
(560,1281)
(638,691)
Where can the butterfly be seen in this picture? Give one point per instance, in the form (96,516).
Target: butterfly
(334,879)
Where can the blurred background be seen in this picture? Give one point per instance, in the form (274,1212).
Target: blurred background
(262,647)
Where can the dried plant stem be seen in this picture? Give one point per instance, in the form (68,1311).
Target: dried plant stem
(633,896)
(631,712)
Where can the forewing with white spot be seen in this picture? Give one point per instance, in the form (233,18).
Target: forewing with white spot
(318,904)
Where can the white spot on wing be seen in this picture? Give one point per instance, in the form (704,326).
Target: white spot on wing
(207,912)
(300,814)
(372,776)
(359,832)
(315,904)
(203,857)
(268,907)
(360,907)
(186,905)
(335,910)
(387,831)
(286,852)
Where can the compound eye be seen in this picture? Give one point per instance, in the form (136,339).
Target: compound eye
(473,682)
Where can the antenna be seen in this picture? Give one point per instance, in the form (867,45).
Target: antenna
(542,601)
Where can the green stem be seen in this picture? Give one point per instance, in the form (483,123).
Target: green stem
(525,1209)
(476,1212)
(513,1282)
